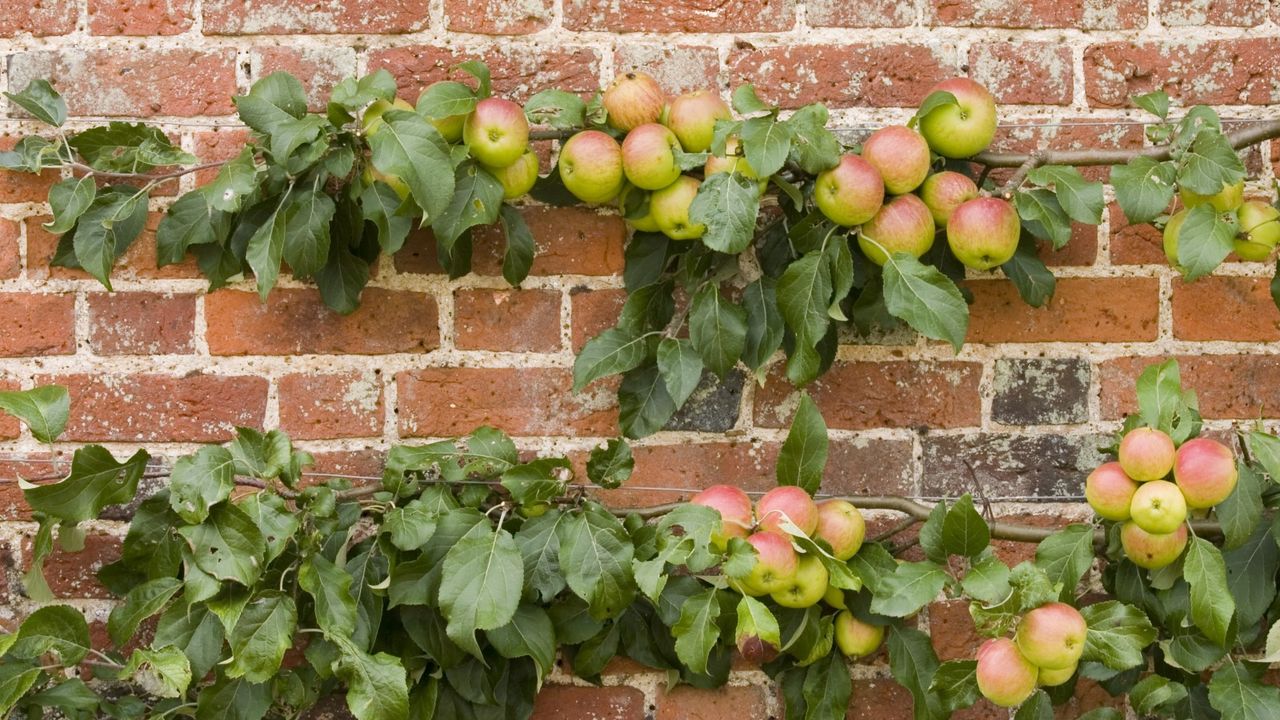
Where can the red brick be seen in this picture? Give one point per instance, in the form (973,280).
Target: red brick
(275,17)
(879,699)
(1082,249)
(951,630)
(438,402)
(16,187)
(1140,244)
(294,322)
(1088,696)
(357,464)
(557,702)
(75,574)
(1228,386)
(864,14)
(1082,310)
(319,68)
(1028,73)
(10,257)
(142,83)
(195,407)
(594,311)
(141,323)
(9,428)
(682,16)
(843,75)
(34,467)
(138,263)
(218,144)
(689,703)
(1199,309)
(519,71)
(677,68)
(315,406)
(860,395)
(1082,14)
(38,17)
(569,241)
(129,17)
(1070,134)
(1210,72)
(1195,13)
(37,324)
(507,320)
(498,17)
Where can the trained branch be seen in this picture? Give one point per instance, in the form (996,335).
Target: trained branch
(150,177)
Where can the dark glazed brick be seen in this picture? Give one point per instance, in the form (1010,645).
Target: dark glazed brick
(1041,392)
(713,406)
(1003,465)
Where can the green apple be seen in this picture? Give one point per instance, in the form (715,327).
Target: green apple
(1171,231)
(649,156)
(775,566)
(630,203)
(1052,636)
(983,232)
(632,100)
(518,178)
(591,167)
(1205,471)
(372,121)
(692,117)
(1004,676)
(1146,454)
(496,132)
(834,597)
(1259,231)
(901,155)
(1227,199)
(1158,507)
(670,209)
(807,587)
(966,128)
(1054,678)
(904,224)
(943,192)
(1152,551)
(855,638)
(850,193)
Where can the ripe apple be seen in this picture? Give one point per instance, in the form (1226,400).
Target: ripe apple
(643,223)
(1158,507)
(733,162)
(983,232)
(842,526)
(632,100)
(787,501)
(518,177)
(902,225)
(966,128)
(850,193)
(776,563)
(855,638)
(1171,230)
(901,155)
(670,209)
(591,167)
(649,156)
(1205,471)
(733,505)
(1052,636)
(1054,678)
(496,132)
(1152,551)
(1004,676)
(1227,199)
(372,121)
(834,597)
(1259,231)
(692,117)
(1146,454)
(943,192)
(1110,492)
(807,586)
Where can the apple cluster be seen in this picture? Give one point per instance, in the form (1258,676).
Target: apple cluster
(1044,652)
(1257,223)
(1136,491)
(791,577)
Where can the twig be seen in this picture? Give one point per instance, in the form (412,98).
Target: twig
(156,177)
(1033,161)
(904,525)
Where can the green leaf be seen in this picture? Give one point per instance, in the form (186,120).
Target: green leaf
(556,108)
(804,294)
(956,684)
(480,72)
(113,221)
(353,94)
(262,455)
(746,101)
(411,526)
(69,696)
(1033,280)
(477,200)
(59,629)
(235,180)
(195,631)
(377,688)
(44,409)
(596,554)
(261,636)
(529,634)
(141,603)
(611,352)
(728,204)
(306,231)
(42,101)
(446,99)
(379,203)
(15,680)
(1036,707)
(1204,240)
(538,481)
(1042,215)
(266,246)
(717,329)
(926,299)
(228,545)
(1155,692)
(410,148)
(1156,103)
(128,148)
(964,532)
(910,587)
(272,101)
(518,258)
(330,587)
(233,700)
(1236,690)
(164,673)
(697,631)
(803,456)
(1144,188)
(1117,634)
(827,688)
(96,481)
(189,221)
(766,144)
(200,481)
(611,465)
(644,405)
(1240,513)
(1212,606)
(933,101)
(680,367)
(342,280)
(1066,556)
(1251,573)
(68,200)
(764,322)
(1079,198)
(480,587)
(1210,164)
(539,544)
(813,147)
(756,622)
(987,580)
(277,522)
(914,664)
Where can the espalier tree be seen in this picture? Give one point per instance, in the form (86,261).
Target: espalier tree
(248,590)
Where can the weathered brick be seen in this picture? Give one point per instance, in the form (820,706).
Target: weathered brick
(316,406)
(1228,386)
(498,17)
(951,630)
(37,324)
(138,263)
(9,429)
(298,322)
(1004,465)
(319,68)
(38,17)
(1025,73)
(138,83)
(196,407)
(677,68)
(507,320)
(10,255)
(713,406)
(556,702)
(18,187)
(1225,308)
(1140,244)
(1082,310)
(75,574)
(357,464)
(128,17)
(1082,249)
(689,703)
(879,699)
(518,70)
(1072,133)
(1212,72)
(275,17)
(1082,14)
(843,75)
(665,16)
(859,395)
(1195,13)
(141,323)
(1040,391)
(594,311)
(437,402)
(864,14)
(218,144)
(32,467)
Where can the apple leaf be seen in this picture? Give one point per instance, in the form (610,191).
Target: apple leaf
(935,100)
(1204,240)
(261,635)
(925,298)
(956,684)
(410,148)
(476,200)
(596,555)
(96,480)
(352,93)
(1080,199)
(1237,691)
(1043,216)
(557,109)
(234,182)
(446,99)
(987,580)
(1251,572)
(1034,281)
(746,101)
(1117,634)
(727,204)
(1066,556)
(44,409)
(1156,103)
(59,629)
(1144,188)
(140,603)
(68,200)
(964,532)
(644,404)
(611,465)
(717,330)
(804,294)
(766,144)
(813,147)
(803,456)
(480,586)
(1240,513)
(518,258)
(914,663)
(42,101)
(827,687)
(910,587)
(611,352)
(764,322)
(697,631)
(1210,164)
(680,366)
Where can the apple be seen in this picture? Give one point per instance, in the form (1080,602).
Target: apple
(776,563)
(902,225)
(850,193)
(1158,507)
(1004,676)
(591,167)
(1259,230)
(1227,199)
(1052,636)
(643,223)
(1171,230)
(754,649)
(670,209)
(371,122)
(450,128)
(733,505)
(733,162)
(855,638)
(649,157)
(901,155)
(966,128)
(943,192)
(1110,492)
(394,181)
(834,597)
(1205,471)
(983,232)
(1152,551)
(807,587)
(842,526)
(633,100)
(790,502)
(1054,678)
(692,117)
(496,132)
(1146,454)
(518,178)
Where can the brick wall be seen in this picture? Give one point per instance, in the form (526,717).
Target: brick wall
(1017,413)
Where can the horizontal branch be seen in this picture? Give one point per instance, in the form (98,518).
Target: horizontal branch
(149,177)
